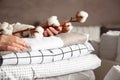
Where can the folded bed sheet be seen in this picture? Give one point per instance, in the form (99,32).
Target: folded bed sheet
(38,71)
(47,55)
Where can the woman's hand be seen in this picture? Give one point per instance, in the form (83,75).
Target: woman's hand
(12,43)
(50,31)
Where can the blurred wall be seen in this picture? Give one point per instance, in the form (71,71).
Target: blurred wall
(30,11)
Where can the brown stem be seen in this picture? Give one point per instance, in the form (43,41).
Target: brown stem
(72,19)
(32,31)
(1,30)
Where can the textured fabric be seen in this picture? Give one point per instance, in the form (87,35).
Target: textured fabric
(44,43)
(108,47)
(113,74)
(63,39)
(40,43)
(93,31)
(73,38)
(50,69)
(118,50)
(83,75)
(47,55)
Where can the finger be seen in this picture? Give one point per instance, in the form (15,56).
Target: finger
(11,48)
(2,48)
(59,28)
(45,33)
(22,48)
(54,31)
(49,32)
(21,42)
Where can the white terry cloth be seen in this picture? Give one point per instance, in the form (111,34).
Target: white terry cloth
(31,72)
(44,43)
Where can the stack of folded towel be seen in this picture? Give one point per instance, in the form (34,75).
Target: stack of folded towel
(50,56)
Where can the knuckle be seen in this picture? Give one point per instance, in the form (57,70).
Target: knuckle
(10,43)
(1,37)
(6,47)
(14,39)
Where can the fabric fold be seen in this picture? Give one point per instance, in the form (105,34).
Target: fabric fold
(36,71)
(47,55)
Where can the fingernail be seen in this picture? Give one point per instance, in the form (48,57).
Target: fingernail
(26,45)
(24,49)
(17,49)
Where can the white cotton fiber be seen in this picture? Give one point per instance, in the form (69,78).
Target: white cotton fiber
(18,26)
(84,16)
(69,24)
(39,33)
(53,21)
(7,28)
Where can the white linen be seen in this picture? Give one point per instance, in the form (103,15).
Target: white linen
(93,31)
(44,43)
(47,55)
(82,75)
(63,67)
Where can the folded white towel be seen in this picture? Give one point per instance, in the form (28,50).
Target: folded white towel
(31,72)
(44,43)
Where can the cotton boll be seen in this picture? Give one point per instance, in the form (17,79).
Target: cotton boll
(38,35)
(40,29)
(53,21)
(84,16)
(39,32)
(69,25)
(18,26)
(7,28)
(4,25)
